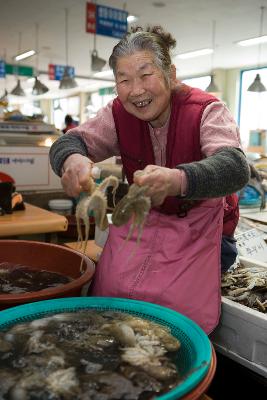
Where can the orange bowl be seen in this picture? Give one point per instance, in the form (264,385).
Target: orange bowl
(49,257)
(200,389)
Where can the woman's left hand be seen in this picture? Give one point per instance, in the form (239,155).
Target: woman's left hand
(161,182)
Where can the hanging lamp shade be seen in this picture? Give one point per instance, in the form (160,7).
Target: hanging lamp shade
(39,87)
(3,98)
(212,88)
(18,91)
(97,63)
(67,82)
(257,85)
(57,105)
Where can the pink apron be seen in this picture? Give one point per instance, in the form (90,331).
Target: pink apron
(176,264)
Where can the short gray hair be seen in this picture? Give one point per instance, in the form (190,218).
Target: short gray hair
(153,39)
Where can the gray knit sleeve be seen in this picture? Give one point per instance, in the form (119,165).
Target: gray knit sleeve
(64,147)
(223,173)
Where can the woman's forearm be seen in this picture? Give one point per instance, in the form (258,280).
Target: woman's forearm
(63,148)
(223,173)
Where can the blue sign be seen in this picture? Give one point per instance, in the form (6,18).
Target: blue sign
(111,21)
(56,72)
(2,69)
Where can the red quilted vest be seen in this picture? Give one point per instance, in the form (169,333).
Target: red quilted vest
(183,140)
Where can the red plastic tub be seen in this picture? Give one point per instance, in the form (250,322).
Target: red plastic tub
(198,392)
(50,257)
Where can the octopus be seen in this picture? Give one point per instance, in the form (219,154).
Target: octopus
(88,354)
(136,205)
(144,344)
(94,201)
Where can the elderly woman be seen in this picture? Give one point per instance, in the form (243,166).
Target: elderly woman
(187,143)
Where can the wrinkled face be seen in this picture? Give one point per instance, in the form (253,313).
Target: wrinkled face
(142,88)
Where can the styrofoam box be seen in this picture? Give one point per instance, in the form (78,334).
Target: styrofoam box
(242,332)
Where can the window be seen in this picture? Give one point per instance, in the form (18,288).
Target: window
(62,107)
(96,102)
(25,106)
(200,82)
(252,107)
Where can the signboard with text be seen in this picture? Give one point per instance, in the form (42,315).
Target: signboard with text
(252,245)
(29,167)
(55,72)
(106,21)
(22,70)
(106,90)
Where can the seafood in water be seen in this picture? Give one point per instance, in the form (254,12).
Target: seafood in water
(87,354)
(94,201)
(136,205)
(17,279)
(246,285)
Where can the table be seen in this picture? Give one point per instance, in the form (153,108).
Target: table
(92,250)
(32,220)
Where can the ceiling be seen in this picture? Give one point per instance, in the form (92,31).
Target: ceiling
(189,21)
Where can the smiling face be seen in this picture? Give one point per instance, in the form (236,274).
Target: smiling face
(142,88)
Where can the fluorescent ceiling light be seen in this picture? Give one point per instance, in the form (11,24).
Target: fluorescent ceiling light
(24,55)
(132,18)
(106,73)
(252,41)
(196,53)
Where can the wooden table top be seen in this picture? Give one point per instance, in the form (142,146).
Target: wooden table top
(32,220)
(92,250)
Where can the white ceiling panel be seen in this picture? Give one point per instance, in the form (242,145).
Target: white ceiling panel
(190,22)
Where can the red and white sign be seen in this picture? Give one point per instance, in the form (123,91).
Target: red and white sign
(91,18)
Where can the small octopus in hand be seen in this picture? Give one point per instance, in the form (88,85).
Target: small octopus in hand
(135,204)
(95,201)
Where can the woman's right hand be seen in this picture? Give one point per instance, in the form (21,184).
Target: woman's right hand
(76,172)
